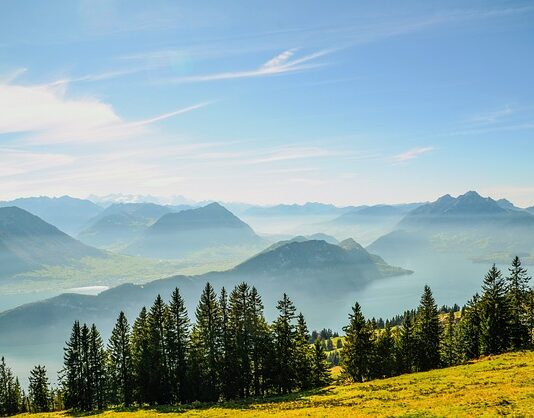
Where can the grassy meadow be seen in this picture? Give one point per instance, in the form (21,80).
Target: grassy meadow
(494,386)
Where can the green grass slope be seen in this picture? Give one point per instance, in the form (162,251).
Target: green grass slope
(500,385)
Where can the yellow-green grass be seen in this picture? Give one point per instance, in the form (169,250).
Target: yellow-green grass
(500,385)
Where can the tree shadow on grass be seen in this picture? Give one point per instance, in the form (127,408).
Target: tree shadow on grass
(249,403)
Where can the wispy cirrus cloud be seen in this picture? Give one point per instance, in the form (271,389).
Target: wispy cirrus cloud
(44,114)
(283,63)
(411,154)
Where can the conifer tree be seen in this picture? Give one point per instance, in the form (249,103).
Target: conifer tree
(72,377)
(11,395)
(449,343)
(358,350)
(428,332)
(406,345)
(120,363)
(470,329)
(178,346)
(140,343)
(529,315)
(517,291)
(39,390)
(97,368)
(284,335)
(384,364)
(206,344)
(261,346)
(320,373)
(160,392)
(231,382)
(303,360)
(495,315)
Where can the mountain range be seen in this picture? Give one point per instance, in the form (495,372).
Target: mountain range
(175,235)
(67,213)
(28,243)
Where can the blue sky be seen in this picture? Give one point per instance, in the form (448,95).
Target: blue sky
(345,102)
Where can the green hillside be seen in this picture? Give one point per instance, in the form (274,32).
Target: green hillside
(494,386)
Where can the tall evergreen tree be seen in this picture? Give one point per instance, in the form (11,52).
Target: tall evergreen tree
(469,330)
(284,335)
(39,390)
(385,361)
(71,375)
(428,332)
(261,346)
(358,350)
(320,373)
(517,292)
(406,345)
(120,363)
(529,315)
(303,359)
(206,344)
(178,347)
(449,343)
(140,343)
(97,368)
(495,315)
(11,396)
(231,381)
(160,391)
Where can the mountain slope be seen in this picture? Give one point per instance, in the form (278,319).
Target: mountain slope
(27,242)
(322,279)
(122,223)
(66,213)
(478,227)
(177,234)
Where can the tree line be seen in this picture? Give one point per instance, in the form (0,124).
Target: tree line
(231,352)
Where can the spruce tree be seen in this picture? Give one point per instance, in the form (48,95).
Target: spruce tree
(71,375)
(120,363)
(517,291)
(320,373)
(231,380)
(449,343)
(284,335)
(529,315)
(303,360)
(140,343)
(97,369)
(406,345)
(11,395)
(261,347)
(358,350)
(178,346)
(427,332)
(160,391)
(39,390)
(469,330)
(495,315)
(385,361)
(206,344)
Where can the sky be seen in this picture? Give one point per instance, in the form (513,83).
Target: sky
(344,102)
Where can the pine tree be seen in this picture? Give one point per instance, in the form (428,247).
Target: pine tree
(120,363)
(231,380)
(303,360)
(206,345)
(427,332)
(97,368)
(140,343)
(469,330)
(320,373)
(11,395)
(178,346)
(384,364)
(39,390)
(87,399)
(160,391)
(358,350)
(261,347)
(495,315)
(517,291)
(284,335)
(407,345)
(449,343)
(72,378)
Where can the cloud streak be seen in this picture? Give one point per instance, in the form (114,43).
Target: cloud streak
(282,63)
(411,154)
